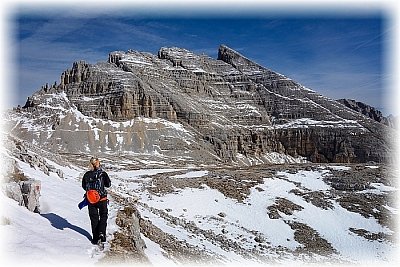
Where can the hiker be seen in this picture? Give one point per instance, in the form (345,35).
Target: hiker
(93,183)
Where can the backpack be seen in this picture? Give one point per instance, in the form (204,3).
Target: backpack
(94,187)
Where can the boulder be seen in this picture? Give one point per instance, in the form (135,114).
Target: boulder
(26,193)
(31,192)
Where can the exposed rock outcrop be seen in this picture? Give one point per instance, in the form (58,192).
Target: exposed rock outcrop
(25,191)
(127,244)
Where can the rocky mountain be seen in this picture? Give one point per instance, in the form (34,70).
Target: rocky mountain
(191,107)
(368,111)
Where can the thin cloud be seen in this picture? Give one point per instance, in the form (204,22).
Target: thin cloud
(372,41)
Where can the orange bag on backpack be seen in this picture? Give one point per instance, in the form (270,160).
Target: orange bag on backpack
(92,196)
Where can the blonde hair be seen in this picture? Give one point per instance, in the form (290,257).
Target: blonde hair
(92,162)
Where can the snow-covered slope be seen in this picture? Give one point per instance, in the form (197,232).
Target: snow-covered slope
(276,214)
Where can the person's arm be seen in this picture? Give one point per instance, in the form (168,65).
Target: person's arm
(107,181)
(84,181)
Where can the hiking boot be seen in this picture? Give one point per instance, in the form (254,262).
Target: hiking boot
(95,241)
(102,237)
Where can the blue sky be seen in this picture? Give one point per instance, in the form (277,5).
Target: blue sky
(340,55)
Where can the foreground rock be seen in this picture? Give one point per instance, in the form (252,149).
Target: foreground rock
(127,246)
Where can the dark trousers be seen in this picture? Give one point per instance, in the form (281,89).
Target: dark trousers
(98,214)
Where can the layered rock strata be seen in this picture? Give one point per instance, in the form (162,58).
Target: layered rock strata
(231,107)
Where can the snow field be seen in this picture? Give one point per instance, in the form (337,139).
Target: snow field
(35,238)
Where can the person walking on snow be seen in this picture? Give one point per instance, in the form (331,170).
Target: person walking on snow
(94,183)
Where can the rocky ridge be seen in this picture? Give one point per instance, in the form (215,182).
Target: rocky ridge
(368,111)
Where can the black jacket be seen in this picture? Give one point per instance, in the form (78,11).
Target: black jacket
(90,176)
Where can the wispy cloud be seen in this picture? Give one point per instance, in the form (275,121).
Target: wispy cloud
(51,46)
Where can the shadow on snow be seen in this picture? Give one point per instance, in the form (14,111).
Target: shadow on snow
(61,223)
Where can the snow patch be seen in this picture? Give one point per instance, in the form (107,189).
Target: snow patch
(339,168)
(192,174)
(311,180)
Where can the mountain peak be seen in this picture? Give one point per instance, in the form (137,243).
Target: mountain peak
(228,54)
(222,48)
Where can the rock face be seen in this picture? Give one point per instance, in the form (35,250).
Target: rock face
(228,109)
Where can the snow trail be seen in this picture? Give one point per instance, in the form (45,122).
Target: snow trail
(61,233)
